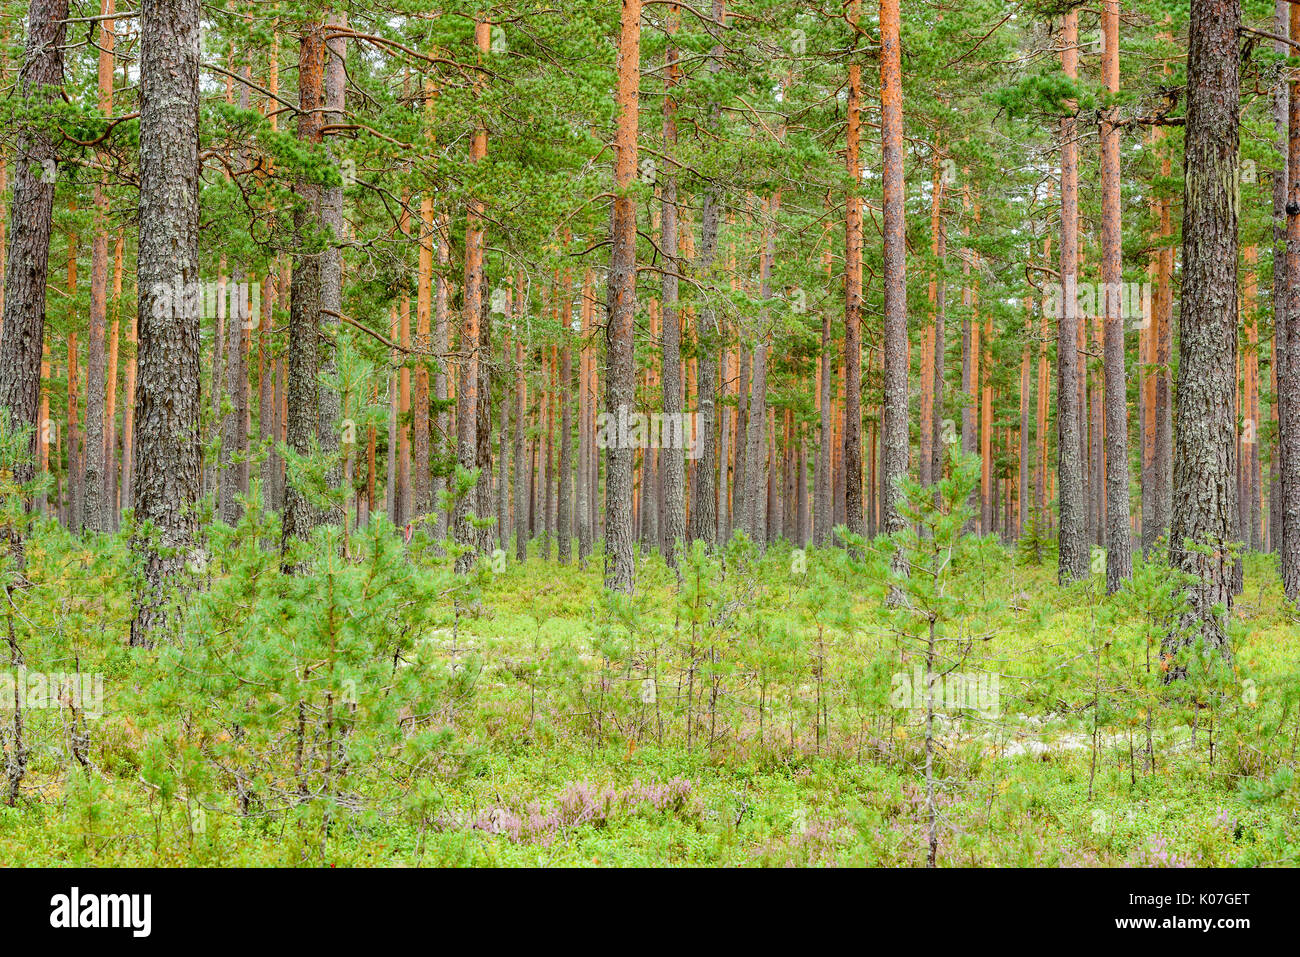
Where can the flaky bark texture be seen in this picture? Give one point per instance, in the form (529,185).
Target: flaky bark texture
(1276,495)
(672,457)
(1073,561)
(441,383)
(1288,386)
(330,408)
(467,386)
(232,480)
(620,384)
(1156,523)
(564,489)
(853,257)
(1205,466)
(28,258)
(894,456)
(583,485)
(305,291)
(756,444)
(167,452)
(940,251)
(704,497)
(1119,548)
(98,509)
(422,491)
(267,432)
(521,455)
(484,506)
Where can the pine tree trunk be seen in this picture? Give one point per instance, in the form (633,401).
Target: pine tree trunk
(402,493)
(564,506)
(1249,459)
(1073,562)
(111,475)
(330,402)
(521,456)
(672,457)
(167,454)
(234,433)
(1024,469)
(925,427)
(483,505)
(823,505)
(303,391)
(1287,381)
(1281,281)
(620,384)
(1162,466)
(894,459)
(266,431)
(852,464)
(988,492)
(1119,547)
(467,390)
(726,418)
(442,417)
(756,458)
(1205,454)
(584,491)
(30,220)
(1040,425)
(128,419)
(72,441)
(935,425)
(503,454)
(421,492)
(98,513)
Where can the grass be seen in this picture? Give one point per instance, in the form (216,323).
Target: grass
(741,720)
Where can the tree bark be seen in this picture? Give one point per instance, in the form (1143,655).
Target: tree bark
(1073,559)
(423,488)
(672,457)
(564,491)
(330,402)
(303,391)
(232,478)
(30,220)
(852,465)
(167,454)
(1288,386)
(1119,547)
(756,452)
(98,515)
(1281,281)
(1203,523)
(584,489)
(467,390)
(619,384)
(521,455)
(442,417)
(894,436)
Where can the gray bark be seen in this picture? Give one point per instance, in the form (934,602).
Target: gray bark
(1205,465)
(305,294)
(30,218)
(166,476)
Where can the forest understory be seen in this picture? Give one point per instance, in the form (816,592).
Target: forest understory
(650,433)
(405,715)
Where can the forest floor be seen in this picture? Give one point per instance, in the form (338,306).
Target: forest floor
(751,717)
